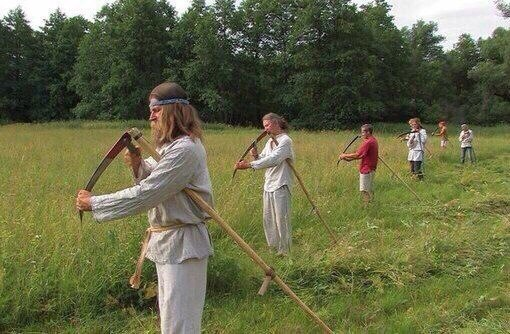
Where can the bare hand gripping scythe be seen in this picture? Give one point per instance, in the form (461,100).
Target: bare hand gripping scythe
(135,134)
(347,147)
(252,145)
(123,142)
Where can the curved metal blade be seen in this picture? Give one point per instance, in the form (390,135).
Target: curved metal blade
(252,145)
(347,147)
(405,133)
(124,140)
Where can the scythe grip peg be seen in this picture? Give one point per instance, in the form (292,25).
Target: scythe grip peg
(267,279)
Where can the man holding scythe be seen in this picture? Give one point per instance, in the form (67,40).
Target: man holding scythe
(177,239)
(368,152)
(278,180)
(466,145)
(416,141)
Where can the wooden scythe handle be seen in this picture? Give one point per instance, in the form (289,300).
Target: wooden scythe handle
(307,194)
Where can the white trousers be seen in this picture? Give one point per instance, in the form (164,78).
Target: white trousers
(181,295)
(277,219)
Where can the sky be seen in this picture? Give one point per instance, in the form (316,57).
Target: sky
(478,18)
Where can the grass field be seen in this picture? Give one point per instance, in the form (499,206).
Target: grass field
(401,266)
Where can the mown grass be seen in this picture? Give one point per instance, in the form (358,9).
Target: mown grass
(400,266)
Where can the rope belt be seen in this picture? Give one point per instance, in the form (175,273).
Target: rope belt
(135,279)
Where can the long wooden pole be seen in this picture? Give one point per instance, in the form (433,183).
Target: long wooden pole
(307,194)
(147,147)
(314,207)
(255,257)
(429,151)
(398,177)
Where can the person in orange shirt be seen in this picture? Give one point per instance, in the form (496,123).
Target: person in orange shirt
(442,132)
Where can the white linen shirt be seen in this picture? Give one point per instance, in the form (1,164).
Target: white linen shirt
(272,157)
(466,142)
(416,144)
(158,189)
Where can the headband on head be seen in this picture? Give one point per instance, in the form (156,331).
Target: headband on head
(156,102)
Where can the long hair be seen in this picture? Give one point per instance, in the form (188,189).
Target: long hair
(176,119)
(282,122)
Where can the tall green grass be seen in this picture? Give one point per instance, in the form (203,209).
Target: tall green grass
(403,266)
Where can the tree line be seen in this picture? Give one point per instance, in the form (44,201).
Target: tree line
(320,63)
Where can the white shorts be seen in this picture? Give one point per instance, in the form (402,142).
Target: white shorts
(443,143)
(366,182)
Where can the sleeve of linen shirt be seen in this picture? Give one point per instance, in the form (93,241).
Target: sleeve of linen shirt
(469,138)
(363,150)
(423,136)
(274,158)
(460,136)
(169,176)
(145,169)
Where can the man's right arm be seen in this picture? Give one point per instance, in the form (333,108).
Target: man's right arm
(169,177)
(411,142)
(278,155)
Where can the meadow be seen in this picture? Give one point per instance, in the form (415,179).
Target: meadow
(440,265)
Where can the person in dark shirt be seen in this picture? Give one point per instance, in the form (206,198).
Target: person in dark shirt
(368,152)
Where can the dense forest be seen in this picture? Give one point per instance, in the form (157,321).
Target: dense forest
(321,63)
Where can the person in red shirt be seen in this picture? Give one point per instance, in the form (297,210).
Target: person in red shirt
(368,152)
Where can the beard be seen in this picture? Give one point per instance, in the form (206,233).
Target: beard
(156,132)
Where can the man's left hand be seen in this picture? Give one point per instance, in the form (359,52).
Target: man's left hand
(242,165)
(83,201)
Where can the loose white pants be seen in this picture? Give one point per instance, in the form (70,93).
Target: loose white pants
(277,219)
(181,295)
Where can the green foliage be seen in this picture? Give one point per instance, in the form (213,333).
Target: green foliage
(321,64)
(20,54)
(330,63)
(210,73)
(122,58)
(60,38)
(492,74)
(503,7)
(427,83)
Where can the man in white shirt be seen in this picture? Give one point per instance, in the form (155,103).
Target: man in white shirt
(177,240)
(278,181)
(466,146)
(416,144)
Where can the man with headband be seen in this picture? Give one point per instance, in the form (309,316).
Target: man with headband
(178,242)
